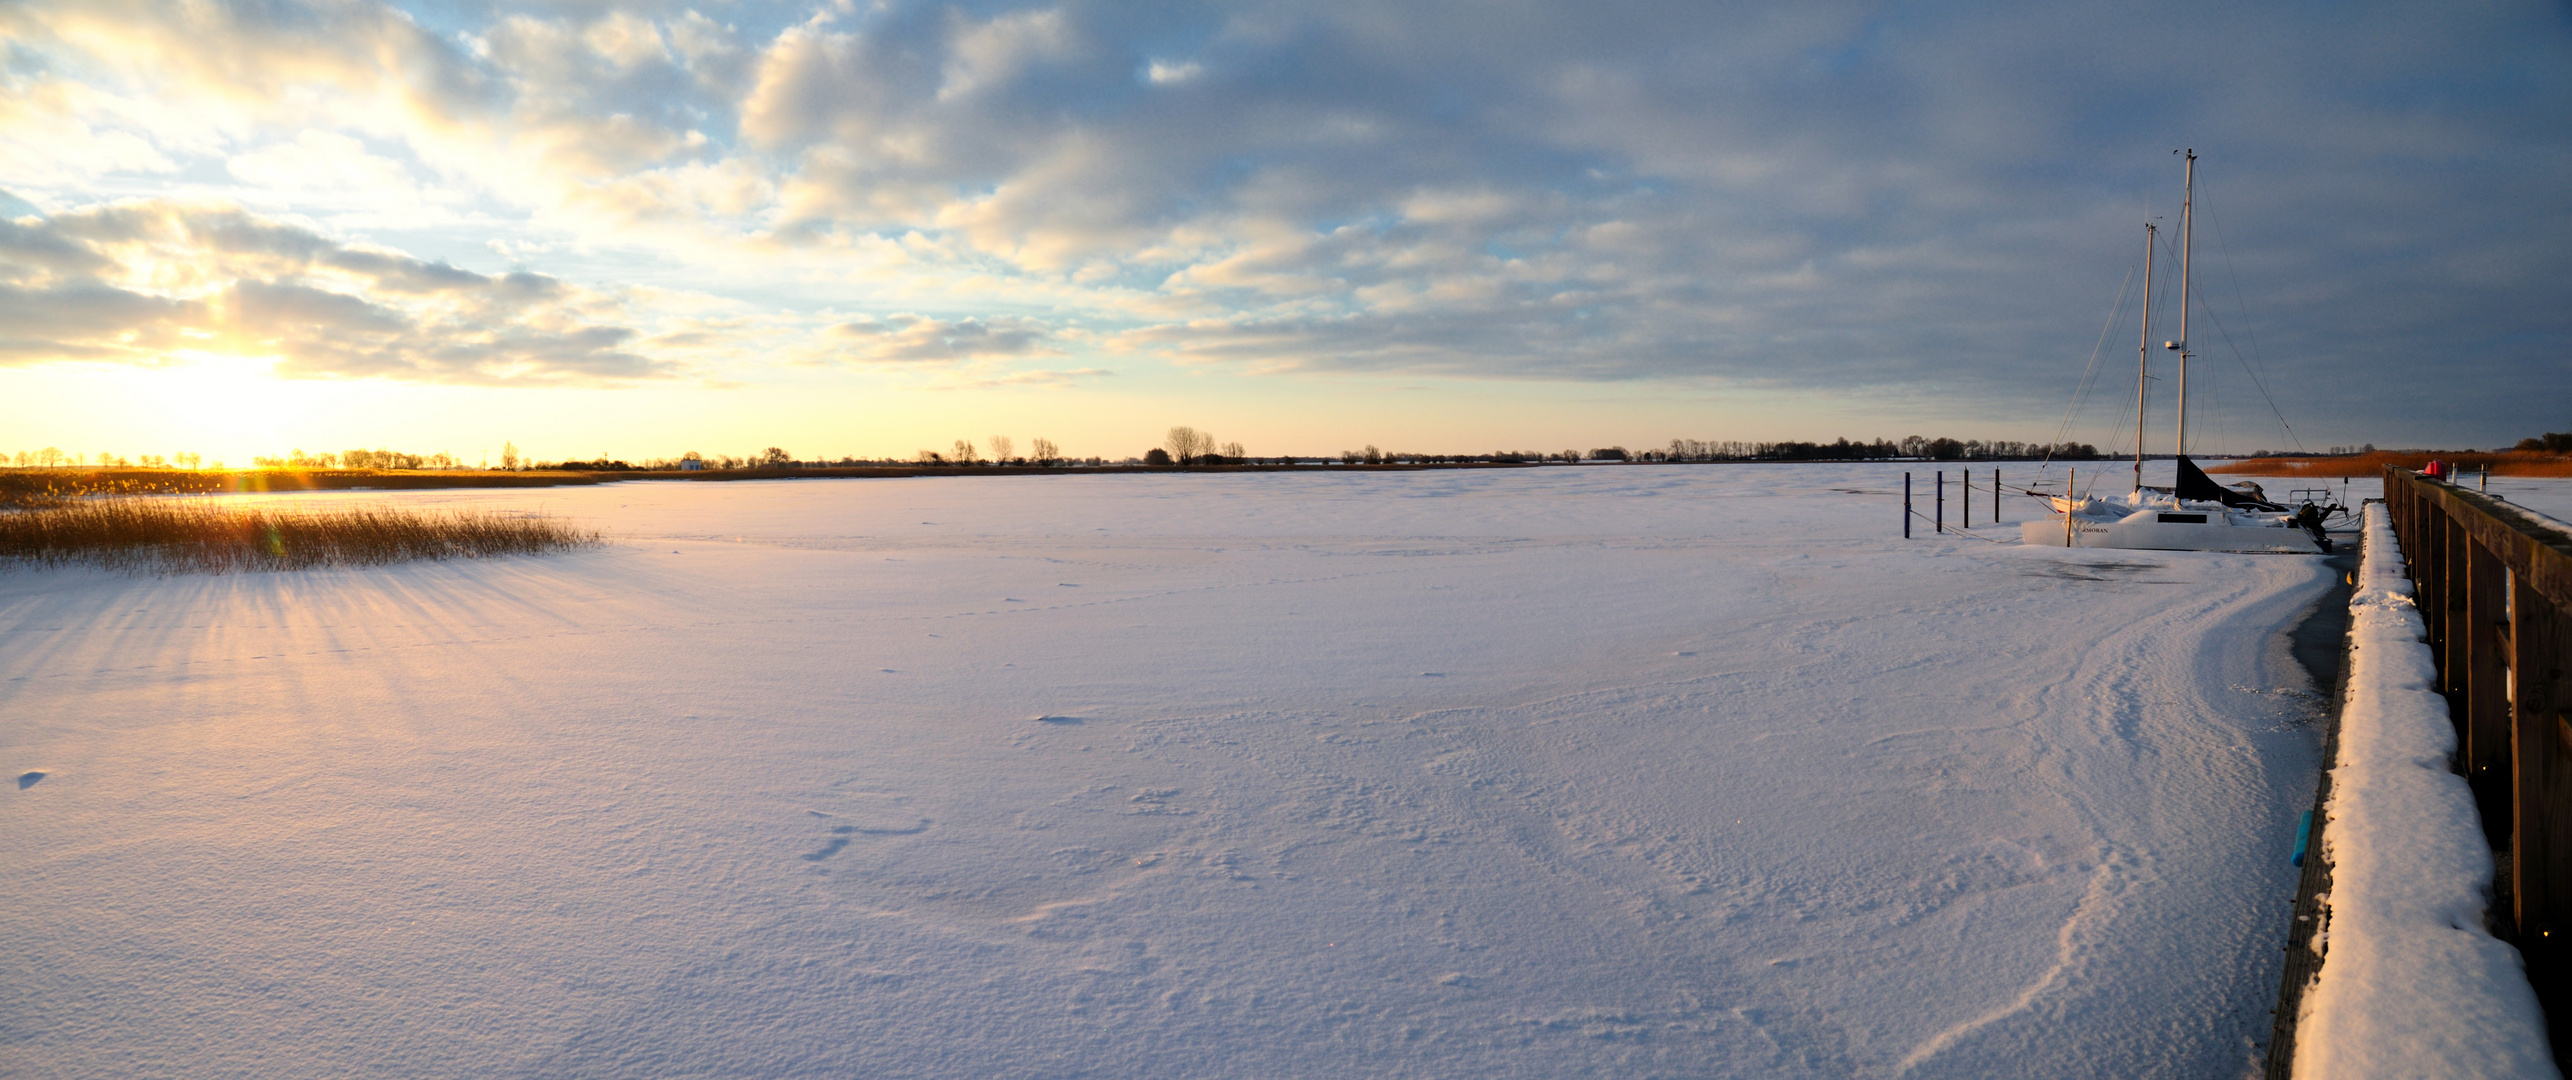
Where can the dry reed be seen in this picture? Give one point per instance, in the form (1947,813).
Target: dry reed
(57,487)
(173,536)
(2505,463)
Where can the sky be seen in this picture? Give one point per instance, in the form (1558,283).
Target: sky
(853,229)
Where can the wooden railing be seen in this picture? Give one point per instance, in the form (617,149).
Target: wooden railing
(2494,587)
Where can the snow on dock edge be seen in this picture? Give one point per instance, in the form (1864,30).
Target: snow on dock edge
(2411,983)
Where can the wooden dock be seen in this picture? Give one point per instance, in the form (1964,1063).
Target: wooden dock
(2494,587)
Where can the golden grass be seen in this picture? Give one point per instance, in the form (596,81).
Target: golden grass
(2505,463)
(174,536)
(55,487)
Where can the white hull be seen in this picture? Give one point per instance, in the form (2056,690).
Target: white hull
(2145,530)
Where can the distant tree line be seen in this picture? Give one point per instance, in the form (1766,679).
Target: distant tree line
(2336,451)
(2552,442)
(52,457)
(1041,451)
(1914,447)
(360,458)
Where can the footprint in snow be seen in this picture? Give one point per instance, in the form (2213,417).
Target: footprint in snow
(877,816)
(839,840)
(28,779)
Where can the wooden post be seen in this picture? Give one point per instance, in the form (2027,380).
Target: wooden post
(2541,847)
(1995,496)
(2429,579)
(1906,506)
(2071,483)
(2452,618)
(1939,521)
(2480,644)
(1968,516)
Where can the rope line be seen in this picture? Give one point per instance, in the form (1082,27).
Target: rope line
(1954,532)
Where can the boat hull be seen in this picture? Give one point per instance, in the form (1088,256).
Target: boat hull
(2169,536)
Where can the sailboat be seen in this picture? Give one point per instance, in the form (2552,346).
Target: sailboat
(2196,513)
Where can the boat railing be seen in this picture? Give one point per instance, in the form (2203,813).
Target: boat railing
(2494,588)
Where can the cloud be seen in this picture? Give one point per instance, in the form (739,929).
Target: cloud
(1934,201)
(911,339)
(318,162)
(142,282)
(1037,378)
(991,54)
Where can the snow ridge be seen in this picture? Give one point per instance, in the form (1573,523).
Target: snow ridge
(2412,985)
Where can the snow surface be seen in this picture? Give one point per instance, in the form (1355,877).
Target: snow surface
(2549,497)
(2411,983)
(1642,771)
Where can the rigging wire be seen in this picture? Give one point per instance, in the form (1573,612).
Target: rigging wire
(2166,250)
(2062,430)
(2248,331)
(2255,379)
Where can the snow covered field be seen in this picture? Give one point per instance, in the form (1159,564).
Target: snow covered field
(2549,496)
(1685,771)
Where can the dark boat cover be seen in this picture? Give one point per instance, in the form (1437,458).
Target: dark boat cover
(2196,486)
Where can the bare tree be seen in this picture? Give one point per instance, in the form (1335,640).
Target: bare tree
(1189,446)
(509,456)
(772,457)
(1003,448)
(1234,451)
(965,452)
(1046,453)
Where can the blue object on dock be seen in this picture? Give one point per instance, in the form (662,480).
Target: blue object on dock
(2303,836)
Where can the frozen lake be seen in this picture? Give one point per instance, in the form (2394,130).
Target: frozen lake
(1641,771)
(2548,496)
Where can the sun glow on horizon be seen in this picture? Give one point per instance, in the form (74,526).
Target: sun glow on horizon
(229,403)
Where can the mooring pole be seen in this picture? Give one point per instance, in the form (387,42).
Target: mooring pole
(1906,506)
(1939,522)
(1995,496)
(2071,483)
(1968,515)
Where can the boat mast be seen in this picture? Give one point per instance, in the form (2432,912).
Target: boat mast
(2143,350)
(2187,247)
